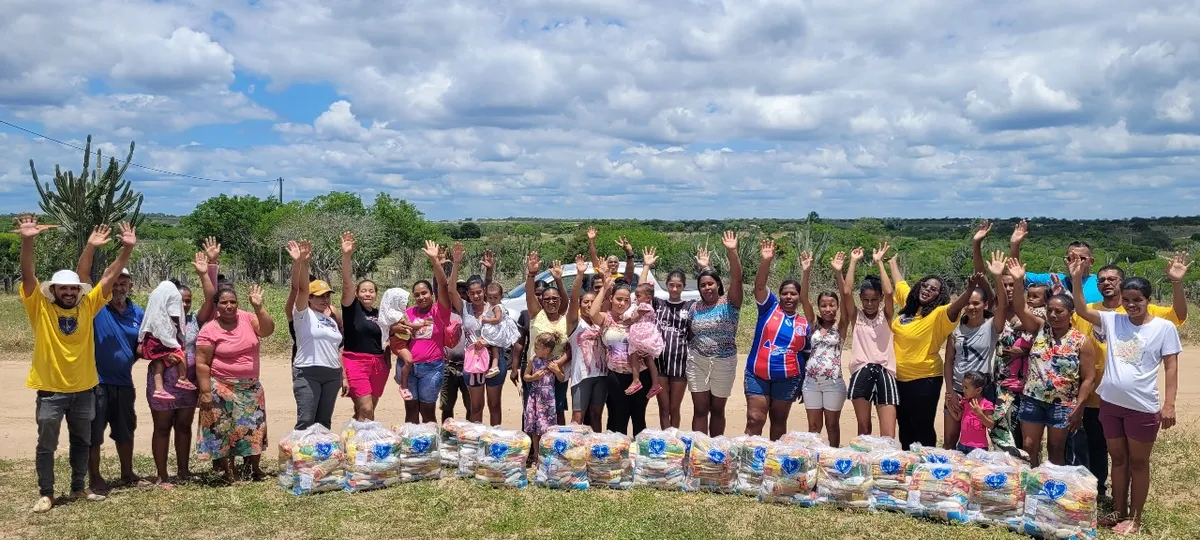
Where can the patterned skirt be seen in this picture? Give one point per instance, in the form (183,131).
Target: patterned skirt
(236,425)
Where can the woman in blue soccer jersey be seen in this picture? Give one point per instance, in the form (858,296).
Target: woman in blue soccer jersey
(775,366)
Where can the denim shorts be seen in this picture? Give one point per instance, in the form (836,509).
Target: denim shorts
(1039,412)
(778,389)
(426,378)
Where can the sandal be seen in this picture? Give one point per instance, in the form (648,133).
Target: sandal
(1109,520)
(186,385)
(654,391)
(1128,527)
(163,395)
(405,394)
(492,373)
(165,486)
(634,388)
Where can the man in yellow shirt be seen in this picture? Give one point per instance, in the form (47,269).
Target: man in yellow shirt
(1088,446)
(64,362)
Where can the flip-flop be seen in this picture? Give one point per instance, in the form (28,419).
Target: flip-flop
(654,391)
(1109,520)
(165,486)
(186,385)
(1127,528)
(139,483)
(633,388)
(406,394)
(163,395)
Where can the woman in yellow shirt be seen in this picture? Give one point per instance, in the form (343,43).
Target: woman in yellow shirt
(919,333)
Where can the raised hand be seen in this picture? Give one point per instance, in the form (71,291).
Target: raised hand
(532,263)
(1056,285)
(1015,269)
(100,236)
(305,250)
(256,296)
(591,233)
(838,262)
(580,263)
(128,235)
(996,265)
(556,270)
(457,252)
(293,250)
(489,259)
(702,257)
(1177,267)
(212,250)
(649,256)
(880,252)
(347,242)
(985,228)
(625,246)
(766,249)
(200,263)
(806,261)
(28,226)
(730,240)
(856,254)
(441,256)
(431,248)
(1078,268)
(1020,233)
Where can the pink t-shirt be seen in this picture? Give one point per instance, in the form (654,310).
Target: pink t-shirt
(427,344)
(973,433)
(235,353)
(871,343)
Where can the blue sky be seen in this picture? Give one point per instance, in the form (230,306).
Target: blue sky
(620,108)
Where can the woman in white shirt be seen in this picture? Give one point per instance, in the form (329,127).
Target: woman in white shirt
(1130,409)
(317,363)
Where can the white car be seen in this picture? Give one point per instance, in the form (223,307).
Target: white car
(514,301)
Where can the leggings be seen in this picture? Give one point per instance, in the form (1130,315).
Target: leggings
(917,411)
(622,408)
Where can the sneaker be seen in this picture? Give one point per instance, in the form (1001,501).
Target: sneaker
(87,495)
(43,505)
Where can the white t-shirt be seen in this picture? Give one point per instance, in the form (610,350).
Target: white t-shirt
(1132,360)
(317,340)
(586,362)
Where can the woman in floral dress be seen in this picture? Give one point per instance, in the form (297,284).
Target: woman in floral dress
(824,388)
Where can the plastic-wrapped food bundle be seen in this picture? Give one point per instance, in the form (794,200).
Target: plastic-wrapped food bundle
(871,443)
(562,461)
(978,456)
(1060,502)
(419,456)
(941,491)
(935,455)
(468,448)
(803,438)
(750,454)
(578,429)
(844,478)
(711,466)
(891,472)
(312,461)
(450,443)
(789,475)
(502,455)
(372,456)
(997,497)
(659,461)
(608,462)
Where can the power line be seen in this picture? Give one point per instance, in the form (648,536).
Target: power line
(151,169)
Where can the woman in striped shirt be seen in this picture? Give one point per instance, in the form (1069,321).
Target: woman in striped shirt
(672,316)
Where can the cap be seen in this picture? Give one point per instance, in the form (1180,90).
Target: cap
(318,288)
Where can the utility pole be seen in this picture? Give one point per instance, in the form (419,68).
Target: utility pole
(280,268)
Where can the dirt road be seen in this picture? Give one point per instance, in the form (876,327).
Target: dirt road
(18,432)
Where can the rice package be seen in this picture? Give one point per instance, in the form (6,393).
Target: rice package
(789,475)
(936,456)
(844,479)
(562,460)
(891,473)
(750,455)
(311,461)
(803,438)
(1060,502)
(468,436)
(711,466)
(502,455)
(608,463)
(940,491)
(997,498)
(871,443)
(448,449)
(659,459)
(372,456)
(419,456)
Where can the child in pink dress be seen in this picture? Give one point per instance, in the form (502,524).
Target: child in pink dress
(977,414)
(645,341)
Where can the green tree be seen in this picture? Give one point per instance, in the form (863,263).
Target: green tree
(469,230)
(240,224)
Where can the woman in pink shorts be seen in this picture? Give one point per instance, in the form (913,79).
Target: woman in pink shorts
(1130,409)
(365,364)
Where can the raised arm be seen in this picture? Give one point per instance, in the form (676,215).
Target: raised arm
(556,273)
(98,238)
(576,296)
(591,236)
(489,265)
(889,301)
(848,308)
(263,323)
(128,239)
(847,313)
(995,267)
(532,265)
(348,289)
(1077,269)
(208,278)
(956,307)
(897,274)
(628,248)
(433,252)
(1018,237)
(649,257)
(766,251)
(1177,267)
(28,229)
(597,306)
(456,255)
(985,227)
(300,254)
(806,262)
(736,289)
(1029,322)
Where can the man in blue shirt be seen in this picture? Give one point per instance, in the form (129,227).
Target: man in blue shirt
(1076,251)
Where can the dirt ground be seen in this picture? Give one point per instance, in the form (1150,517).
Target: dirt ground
(18,432)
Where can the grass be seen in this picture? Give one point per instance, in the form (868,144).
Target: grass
(462,509)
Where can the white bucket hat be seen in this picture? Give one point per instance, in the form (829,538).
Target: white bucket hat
(64,277)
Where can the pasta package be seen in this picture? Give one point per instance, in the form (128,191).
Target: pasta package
(312,461)
(562,462)
(608,463)
(871,443)
(891,473)
(469,436)
(711,466)
(419,455)
(789,475)
(372,458)
(1060,502)
(844,479)
(502,455)
(940,491)
(803,438)
(750,455)
(448,450)
(997,497)
(938,456)
(659,459)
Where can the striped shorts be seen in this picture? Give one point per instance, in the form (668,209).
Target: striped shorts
(874,383)
(673,363)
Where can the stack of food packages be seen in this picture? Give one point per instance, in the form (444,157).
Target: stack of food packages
(936,456)
(448,450)
(891,473)
(710,465)
(789,475)
(468,436)
(997,498)
(750,455)
(1060,502)
(312,461)
(562,462)
(940,491)
(803,438)
(659,459)
(844,478)
(419,456)
(501,460)
(608,463)
(871,443)
(372,456)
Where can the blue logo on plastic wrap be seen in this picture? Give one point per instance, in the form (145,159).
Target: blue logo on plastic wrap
(381,451)
(760,454)
(716,456)
(941,472)
(790,465)
(324,450)
(600,451)
(996,480)
(560,446)
(843,465)
(1054,489)
(890,466)
(497,450)
(657,447)
(420,446)
(938,459)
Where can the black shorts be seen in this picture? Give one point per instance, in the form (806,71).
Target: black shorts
(114,408)
(876,384)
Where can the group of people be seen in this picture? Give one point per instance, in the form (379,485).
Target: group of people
(1015,358)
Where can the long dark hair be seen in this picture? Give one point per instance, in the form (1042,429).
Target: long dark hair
(987,299)
(709,272)
(912,304)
